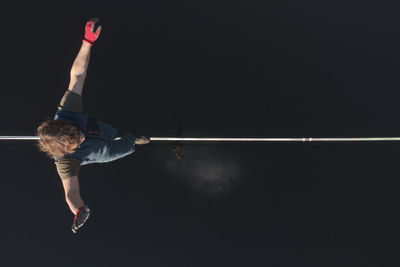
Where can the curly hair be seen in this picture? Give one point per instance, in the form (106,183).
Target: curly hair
(57,138)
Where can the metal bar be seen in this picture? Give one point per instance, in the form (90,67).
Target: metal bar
(19,137)
(227,139)
(301,139)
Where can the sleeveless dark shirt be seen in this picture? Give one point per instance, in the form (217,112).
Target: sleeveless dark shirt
(100,145)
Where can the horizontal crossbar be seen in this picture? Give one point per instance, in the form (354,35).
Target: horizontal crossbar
(190,139)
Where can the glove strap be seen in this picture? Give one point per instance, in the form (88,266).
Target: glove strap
(77,212)
(87,41)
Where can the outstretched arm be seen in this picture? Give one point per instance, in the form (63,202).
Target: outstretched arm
(81,63)
(75,203)
(72,194)
(79,69)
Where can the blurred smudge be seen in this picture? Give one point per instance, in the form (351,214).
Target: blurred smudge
(210,173)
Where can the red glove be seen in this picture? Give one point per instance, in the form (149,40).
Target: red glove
(90,34)
(80,218)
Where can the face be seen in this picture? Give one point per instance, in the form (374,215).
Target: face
(82,137)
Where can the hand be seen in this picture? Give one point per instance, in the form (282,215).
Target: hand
(90,34)
(80,218)
(142,140)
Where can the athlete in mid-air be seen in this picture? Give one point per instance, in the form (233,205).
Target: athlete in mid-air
(74,138)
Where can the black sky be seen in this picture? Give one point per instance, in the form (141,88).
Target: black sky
(220,69)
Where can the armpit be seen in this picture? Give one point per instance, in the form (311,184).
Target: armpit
(68,167)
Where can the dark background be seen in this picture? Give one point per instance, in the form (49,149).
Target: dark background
(220,69)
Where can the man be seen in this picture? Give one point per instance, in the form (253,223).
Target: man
(75,138)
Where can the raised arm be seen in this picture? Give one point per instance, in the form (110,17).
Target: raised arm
(81,63)
(79,69)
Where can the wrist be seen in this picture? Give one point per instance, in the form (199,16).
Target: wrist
(86,43)
(77,210)
(74,202)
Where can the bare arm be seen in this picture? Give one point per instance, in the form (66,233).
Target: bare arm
(79,69)
(72,194)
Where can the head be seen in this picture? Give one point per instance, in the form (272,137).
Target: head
(58,138)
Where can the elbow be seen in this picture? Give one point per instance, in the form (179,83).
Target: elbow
(78,73)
